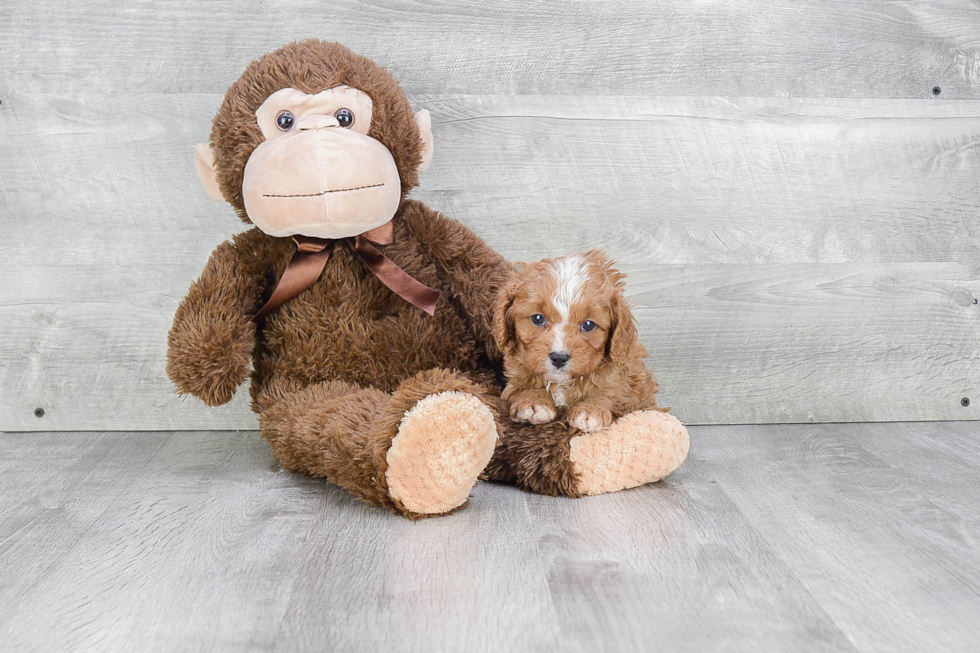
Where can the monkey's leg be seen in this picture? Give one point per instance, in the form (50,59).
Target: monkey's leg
(417,451)
(639,448)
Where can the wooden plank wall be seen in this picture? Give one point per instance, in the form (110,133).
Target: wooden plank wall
(792,186)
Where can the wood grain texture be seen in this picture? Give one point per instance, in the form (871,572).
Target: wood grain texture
(763,48)
(863,530)
(842,538)
(790,260)
(54,485)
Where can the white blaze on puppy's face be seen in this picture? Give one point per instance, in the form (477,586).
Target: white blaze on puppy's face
(551,303)
(570,274)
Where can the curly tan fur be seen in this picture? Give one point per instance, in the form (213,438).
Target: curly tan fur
(605,377)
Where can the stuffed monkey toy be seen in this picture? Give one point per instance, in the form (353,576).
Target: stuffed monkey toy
(367,317)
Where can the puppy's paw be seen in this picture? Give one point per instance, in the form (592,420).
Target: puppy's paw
(589,418)
(535,413)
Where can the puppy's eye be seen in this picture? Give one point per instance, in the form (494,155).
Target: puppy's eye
(537,319)
(588,325)
(285,121)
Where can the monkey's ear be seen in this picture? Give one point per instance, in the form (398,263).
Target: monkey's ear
(424,121)
(204,162)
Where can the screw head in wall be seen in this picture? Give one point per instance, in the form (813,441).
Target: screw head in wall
(38,412)
(965,401)
(936,90)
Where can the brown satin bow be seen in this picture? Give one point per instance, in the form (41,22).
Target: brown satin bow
(312,255)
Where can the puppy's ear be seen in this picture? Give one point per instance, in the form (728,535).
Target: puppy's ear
(503,323)
(623,336)
(598,258)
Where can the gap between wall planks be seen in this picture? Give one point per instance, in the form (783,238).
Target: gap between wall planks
(790,259)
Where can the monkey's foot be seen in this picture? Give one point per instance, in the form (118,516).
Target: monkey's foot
(636,449)
(442,445)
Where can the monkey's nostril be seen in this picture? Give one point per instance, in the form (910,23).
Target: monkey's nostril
(317,122)
(559,358)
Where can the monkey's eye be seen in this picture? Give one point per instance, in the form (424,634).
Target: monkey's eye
(345,117)
(537,319)
(588,325)
(285,121)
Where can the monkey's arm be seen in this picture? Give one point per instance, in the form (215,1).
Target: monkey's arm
(211,341)
(469,268)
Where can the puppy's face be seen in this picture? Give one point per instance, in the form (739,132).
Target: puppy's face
(563,317)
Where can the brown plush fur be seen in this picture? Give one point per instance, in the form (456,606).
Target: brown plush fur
(605,377)
(534,458)
(336,368)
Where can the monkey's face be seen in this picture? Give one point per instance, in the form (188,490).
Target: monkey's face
(315,140)
(318,173)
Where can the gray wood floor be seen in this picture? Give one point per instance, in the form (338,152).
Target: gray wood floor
(780,538)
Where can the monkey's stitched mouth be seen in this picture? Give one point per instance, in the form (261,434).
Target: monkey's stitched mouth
(325,192)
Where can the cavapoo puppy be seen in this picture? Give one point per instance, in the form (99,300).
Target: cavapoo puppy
(570,344)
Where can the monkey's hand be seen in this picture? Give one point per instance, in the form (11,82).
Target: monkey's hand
(208,355)
(211,341)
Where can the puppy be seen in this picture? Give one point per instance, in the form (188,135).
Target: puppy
(570,344)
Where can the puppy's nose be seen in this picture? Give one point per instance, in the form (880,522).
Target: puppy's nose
(559,358)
